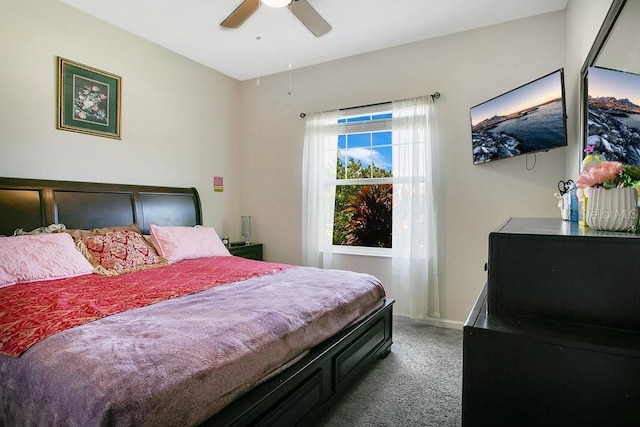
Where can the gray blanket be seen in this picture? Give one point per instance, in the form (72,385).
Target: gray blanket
(180,361)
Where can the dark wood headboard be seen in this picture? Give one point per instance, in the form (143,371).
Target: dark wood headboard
(32,203)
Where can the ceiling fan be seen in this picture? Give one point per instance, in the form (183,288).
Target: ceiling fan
(300,8)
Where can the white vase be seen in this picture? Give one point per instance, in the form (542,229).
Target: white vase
(612,209)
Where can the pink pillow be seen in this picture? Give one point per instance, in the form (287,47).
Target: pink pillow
(6,279)
(180,243)
(119,252)
(38,257)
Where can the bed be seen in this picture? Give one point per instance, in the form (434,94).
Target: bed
(153,364)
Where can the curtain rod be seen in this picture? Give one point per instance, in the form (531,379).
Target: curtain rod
(434,96)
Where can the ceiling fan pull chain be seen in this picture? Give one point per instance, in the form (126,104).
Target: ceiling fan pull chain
(290,19)
(258,38)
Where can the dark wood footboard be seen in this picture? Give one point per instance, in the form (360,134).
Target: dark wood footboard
(301,394)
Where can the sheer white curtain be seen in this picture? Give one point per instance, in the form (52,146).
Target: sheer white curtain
(319,160)
(415,249)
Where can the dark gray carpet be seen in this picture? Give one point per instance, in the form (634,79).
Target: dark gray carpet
(418,384)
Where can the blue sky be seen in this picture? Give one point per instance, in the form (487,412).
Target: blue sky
(604,82)
(367,147)
(527,96)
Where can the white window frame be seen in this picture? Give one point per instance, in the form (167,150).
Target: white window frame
(380,125)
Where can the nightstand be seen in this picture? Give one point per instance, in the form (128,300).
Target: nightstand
(251,251)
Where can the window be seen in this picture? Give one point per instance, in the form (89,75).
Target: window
(363,210)
(394,149)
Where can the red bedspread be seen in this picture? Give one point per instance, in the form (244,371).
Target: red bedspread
(30,312)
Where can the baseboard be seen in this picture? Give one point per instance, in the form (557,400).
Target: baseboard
(443,323)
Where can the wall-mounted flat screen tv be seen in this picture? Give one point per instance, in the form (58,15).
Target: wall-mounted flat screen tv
(528,119)
(613,104)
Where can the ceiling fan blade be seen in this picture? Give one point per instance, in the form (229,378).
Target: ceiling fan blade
(310,17)
(241,13)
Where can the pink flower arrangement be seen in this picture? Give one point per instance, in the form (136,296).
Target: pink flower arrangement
(609,174)
(601,174)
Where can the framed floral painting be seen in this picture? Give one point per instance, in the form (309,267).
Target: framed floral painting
(88,100)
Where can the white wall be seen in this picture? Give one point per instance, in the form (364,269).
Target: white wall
(179,119)
(466,68)
(584,19)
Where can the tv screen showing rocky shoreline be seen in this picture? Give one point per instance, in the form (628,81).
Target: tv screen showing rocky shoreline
(528,119)
(614,115)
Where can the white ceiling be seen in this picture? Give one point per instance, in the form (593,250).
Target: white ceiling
(192,28)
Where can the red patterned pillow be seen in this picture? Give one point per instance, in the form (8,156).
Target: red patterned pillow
(119,252)
(81,234)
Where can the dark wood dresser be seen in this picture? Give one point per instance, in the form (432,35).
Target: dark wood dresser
(554,337)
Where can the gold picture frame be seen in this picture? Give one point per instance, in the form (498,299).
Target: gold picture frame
(88,100)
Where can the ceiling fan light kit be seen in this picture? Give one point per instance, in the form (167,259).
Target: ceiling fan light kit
(276,3)
(300,8)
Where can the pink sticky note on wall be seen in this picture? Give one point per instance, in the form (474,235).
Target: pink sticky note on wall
(217,184)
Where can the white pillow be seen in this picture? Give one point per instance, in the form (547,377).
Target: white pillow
(40,257)
(180,243)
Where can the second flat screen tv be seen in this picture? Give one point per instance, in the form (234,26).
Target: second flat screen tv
(614,115)
(528,119)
